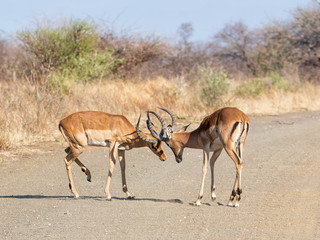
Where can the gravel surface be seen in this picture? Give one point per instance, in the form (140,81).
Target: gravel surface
(280,200)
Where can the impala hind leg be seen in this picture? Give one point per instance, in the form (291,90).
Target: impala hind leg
(68,161)
(122,160)
(236,192)
(213,160)
(112,161)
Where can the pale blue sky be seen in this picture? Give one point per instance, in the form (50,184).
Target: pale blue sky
(147,16)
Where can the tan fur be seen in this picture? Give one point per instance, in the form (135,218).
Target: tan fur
(82,128)
(226,128)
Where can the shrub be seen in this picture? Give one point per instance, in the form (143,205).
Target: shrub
(136,51)
(215,85)
(68,53)
(278,81)
(252,88)
(84,68)
(54,47)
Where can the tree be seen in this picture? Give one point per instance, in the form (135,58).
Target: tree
(233,45)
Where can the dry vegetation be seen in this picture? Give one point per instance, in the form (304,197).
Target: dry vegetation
(27,118)
(264,71)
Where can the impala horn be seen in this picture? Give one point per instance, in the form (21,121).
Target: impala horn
(169,129)
(153,133)
(140,136)
(173,119)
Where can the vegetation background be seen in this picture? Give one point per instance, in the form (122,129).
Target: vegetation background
(52,70)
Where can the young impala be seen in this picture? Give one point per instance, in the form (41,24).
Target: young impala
(226,128)
(106,130)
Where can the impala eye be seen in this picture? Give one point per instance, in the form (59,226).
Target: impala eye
(153,147)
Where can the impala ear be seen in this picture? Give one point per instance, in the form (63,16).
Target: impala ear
(184,128)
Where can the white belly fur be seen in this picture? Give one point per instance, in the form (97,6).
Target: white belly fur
(103,144)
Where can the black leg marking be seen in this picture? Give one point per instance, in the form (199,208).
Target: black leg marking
(234,128)
(239,191)
(70,186)
(233,193)
(67,150)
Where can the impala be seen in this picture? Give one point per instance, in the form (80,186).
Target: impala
(93,128)
(226,128)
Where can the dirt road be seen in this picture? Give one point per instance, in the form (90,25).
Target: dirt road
(280,200)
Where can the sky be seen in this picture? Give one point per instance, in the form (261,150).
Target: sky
(162,18)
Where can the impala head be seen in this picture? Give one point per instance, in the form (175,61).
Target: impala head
(166,134)
(154,144)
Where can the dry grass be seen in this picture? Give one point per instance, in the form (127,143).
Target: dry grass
(29,114)
(277,101)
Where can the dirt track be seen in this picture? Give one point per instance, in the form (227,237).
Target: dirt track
(280,200)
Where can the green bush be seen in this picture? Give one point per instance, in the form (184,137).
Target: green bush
(84,68)
(252,88)
(54,47)
(215,85)
(69,53)
(278,81)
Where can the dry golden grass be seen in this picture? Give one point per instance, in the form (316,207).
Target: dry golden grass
(30,114)
(276,101)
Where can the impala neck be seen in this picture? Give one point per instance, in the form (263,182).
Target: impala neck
(187,139)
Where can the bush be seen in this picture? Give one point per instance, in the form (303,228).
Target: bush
(68,53)
(136,51)
(54,47)
(85,68)
(252,88)
(278,81)
(215,85)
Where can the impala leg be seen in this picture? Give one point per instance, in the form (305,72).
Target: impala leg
(236,192)
(213,160)
(112,161)
(204,172)
(239,189)
(68,161)
(122,161)
(84,169)
(239,172)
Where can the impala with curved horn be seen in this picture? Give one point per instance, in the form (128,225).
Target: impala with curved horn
(93,128)
(226,128)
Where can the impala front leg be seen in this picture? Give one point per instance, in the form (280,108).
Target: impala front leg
(122,161)
(84,169)
(112,161)
(206,151)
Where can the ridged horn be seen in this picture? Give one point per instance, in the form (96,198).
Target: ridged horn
(149,125)
(140,136)
(173,119)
